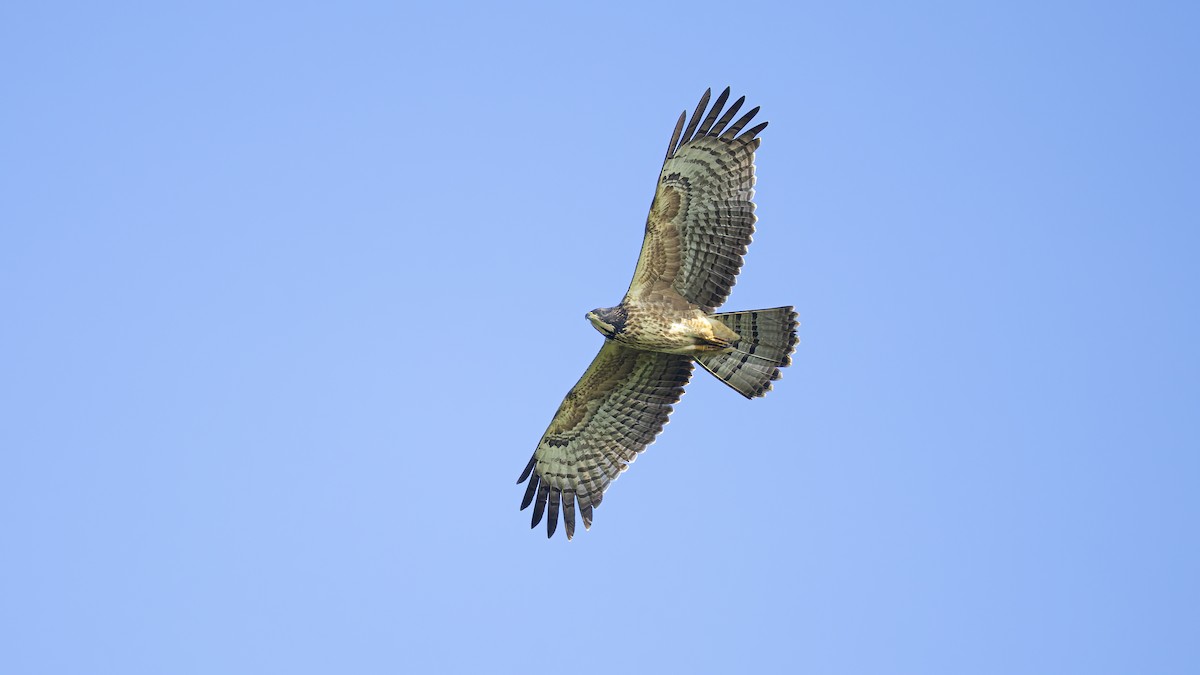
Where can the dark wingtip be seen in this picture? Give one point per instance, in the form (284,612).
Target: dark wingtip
(674,144)
(530,492)
(755,130)
(552,512)
(539,505)
(733,109)
(717,106)
(695,121)
(733,131)
(711,126)
(568,503)
(528,470)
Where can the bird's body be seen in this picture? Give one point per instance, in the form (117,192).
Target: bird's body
(663,327)
(699,226)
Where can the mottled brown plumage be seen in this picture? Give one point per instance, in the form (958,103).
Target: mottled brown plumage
(699,226)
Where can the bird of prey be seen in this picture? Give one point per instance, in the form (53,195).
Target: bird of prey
(699,226)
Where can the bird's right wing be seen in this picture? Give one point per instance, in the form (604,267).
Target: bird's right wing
(615,410)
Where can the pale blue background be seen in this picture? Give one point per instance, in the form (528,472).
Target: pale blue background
(289,293)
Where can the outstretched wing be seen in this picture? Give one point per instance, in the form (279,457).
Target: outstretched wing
(615,410)
(702,217)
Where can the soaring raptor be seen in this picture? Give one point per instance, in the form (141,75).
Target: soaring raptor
(696,234)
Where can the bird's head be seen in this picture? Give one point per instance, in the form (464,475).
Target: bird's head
(610,321)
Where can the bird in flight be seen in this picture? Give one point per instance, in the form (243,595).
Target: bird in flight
(700,224)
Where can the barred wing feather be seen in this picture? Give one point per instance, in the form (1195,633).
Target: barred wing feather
(615,410)
(702,218)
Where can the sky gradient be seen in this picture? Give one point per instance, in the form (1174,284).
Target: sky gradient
(289,294)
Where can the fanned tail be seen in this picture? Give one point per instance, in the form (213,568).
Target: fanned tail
(768,337)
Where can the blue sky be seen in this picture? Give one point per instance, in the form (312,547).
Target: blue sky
(290,292)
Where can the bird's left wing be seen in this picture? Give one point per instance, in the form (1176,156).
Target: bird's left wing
(615,410)
(702,217)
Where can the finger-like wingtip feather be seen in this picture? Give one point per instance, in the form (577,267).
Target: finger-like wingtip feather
(754,131)
(675,135)
(528,469)
(691,127)
(530,492)
(552,513)
(712,114)
(568,502)
(733,109)
(732,131)
(539,505)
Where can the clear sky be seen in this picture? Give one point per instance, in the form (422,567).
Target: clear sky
(288,294)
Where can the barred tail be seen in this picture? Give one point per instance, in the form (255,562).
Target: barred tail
(768,337)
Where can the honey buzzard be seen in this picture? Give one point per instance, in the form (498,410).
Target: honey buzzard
(698,229)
